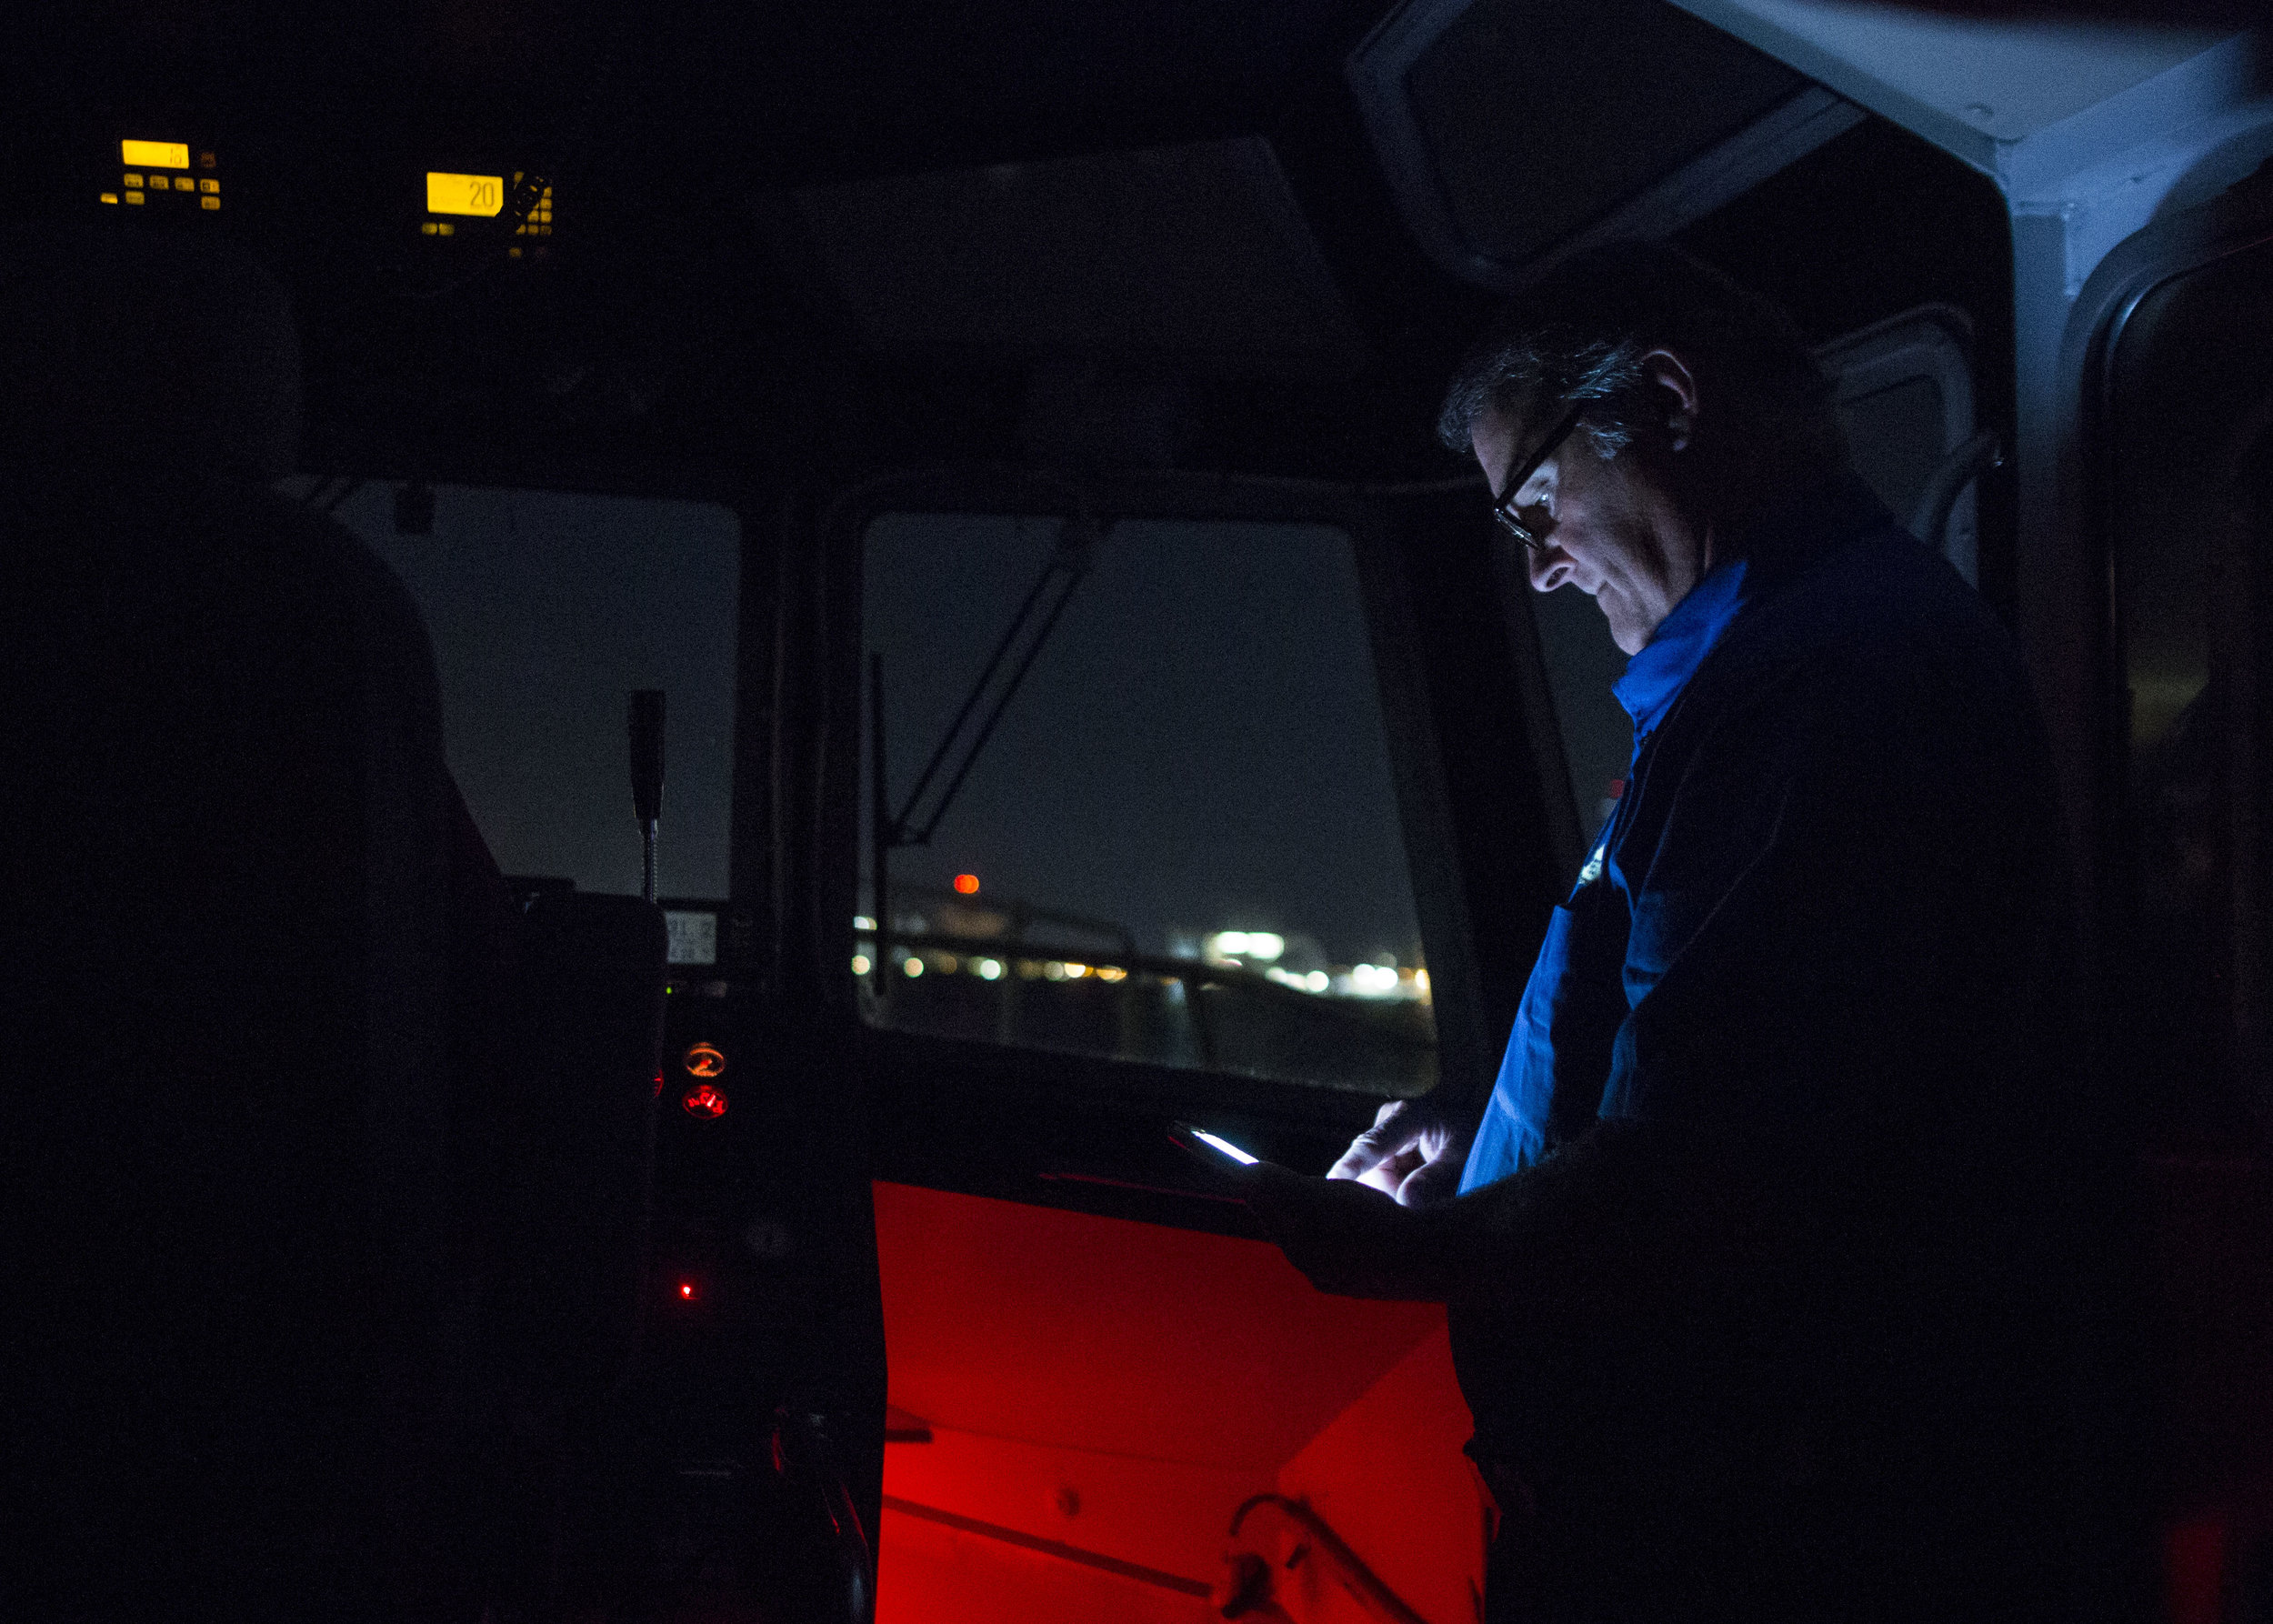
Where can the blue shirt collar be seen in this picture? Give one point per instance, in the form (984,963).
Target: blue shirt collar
(1654,678)
(1782,540)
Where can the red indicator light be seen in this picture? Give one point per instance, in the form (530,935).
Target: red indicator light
(967,884)
(658,1085)
(705,1060)
(704,1101)
(686,1290)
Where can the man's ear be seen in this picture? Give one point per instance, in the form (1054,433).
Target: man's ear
(1673,388)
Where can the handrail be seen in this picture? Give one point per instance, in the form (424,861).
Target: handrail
(1930,518)
(1365,1586)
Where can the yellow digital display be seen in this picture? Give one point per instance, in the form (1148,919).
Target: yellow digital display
(158,154)
(483,195)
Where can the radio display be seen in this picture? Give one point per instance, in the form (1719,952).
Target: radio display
(479,194)
(156,155)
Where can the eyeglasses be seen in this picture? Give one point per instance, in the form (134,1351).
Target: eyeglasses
(1504,507)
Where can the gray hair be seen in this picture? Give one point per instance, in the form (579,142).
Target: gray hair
(1581,334)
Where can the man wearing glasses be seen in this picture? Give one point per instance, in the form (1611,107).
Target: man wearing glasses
(1756,1258)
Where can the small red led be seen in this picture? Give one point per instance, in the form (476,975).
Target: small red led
(658,1085)
(686,1290)
(967,884)
(704,1101)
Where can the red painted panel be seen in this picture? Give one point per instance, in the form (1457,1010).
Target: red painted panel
(1112,1386)
(1389,1475)
(1060,1328)
(931,1575)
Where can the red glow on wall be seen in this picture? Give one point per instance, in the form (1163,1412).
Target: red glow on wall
(705,1101)
(967,884)
(2194,1570)
(1111,1390)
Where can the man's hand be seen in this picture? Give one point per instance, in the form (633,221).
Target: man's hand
(1346,1239)
(1414,1151)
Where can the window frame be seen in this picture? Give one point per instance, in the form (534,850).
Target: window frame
(912,1075)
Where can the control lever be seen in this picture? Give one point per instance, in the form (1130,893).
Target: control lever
(646,777)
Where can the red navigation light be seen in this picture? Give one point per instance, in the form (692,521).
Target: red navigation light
(967,884)
(704,1101)
(705,1060)
(686,1290)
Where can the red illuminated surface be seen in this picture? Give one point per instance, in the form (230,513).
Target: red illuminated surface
(2194,1562)
(967,884)
(1151,1379)
(704,1101)
(705,1060)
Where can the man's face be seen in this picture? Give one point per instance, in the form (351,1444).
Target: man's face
(1608,528)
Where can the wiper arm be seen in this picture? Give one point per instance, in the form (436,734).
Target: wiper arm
(1027,636)
(1022,640)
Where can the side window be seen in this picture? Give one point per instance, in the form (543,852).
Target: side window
(2185,446)
(545,609)
(1177,841)
(1904,389)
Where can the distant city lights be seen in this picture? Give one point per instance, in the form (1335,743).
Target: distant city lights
(1373,980)
(1224,947)
(1251,952)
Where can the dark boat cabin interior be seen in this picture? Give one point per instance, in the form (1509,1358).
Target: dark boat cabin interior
(676,674)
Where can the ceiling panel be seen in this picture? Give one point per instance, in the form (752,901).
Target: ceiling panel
(1195,252)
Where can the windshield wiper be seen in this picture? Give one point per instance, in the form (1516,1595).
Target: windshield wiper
(1020,645)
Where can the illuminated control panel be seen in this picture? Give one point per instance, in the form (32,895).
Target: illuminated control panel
(167,177)
(454,198)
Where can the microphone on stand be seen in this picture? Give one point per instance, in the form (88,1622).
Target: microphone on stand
(646,777)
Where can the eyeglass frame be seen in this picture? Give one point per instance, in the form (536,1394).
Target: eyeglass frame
(1504,505)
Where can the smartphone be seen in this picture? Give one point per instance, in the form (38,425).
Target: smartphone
(1208,1147)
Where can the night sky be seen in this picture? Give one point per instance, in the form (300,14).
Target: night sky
(1199,747)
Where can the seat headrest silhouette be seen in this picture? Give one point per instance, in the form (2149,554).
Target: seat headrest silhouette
(126,348)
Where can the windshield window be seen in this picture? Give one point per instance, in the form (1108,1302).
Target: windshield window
(546,608)
(1181,843)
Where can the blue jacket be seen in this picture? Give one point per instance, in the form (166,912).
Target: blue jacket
(1775,1217)
(1833,877)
